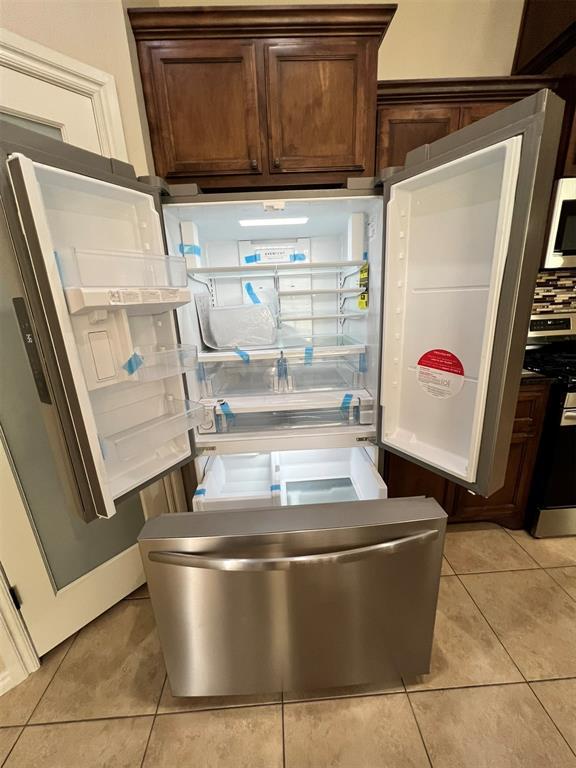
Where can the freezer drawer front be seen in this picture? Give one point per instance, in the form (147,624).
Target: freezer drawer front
(314,597)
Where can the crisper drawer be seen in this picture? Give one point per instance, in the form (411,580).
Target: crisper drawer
(288,478)
(259,601)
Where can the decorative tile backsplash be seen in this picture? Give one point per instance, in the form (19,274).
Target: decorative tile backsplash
(555,291)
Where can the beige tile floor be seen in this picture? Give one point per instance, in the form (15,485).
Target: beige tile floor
(501,692)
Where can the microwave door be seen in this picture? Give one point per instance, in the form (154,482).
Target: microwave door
(464,229)
(102,295)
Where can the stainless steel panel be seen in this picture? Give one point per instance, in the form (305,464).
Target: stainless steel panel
(257,601)
(555,521)
(538,119)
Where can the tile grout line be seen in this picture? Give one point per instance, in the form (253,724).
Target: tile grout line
(549,716)
(496,635)
(283,730)
(557,582)
(153,720)
(26,724)
(419,729)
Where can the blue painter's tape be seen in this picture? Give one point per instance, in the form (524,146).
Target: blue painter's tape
(252,258)
(190,248)
(297,257)
(243,354)
(365,256)
(201,372)
(275,487)
(59,266)
(251,293)
(308,355)
(200,492)
(227,411)
(362,362)
(133,363)
(345,404)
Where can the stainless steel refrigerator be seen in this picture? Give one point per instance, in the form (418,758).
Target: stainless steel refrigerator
(279,339)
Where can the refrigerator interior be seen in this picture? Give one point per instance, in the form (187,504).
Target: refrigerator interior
(285,314)
(114,291)
(287,478)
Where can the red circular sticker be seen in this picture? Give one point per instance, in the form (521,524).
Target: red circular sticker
(440,373)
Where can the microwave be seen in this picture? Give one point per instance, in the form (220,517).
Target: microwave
(561,250)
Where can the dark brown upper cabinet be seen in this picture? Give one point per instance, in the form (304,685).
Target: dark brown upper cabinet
(206,117)
(416,112)
(321,108)
(261,96)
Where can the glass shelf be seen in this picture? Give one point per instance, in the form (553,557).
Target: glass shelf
(301,267)
(120,269)
(163,418)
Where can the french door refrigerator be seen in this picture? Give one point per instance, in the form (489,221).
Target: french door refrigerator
(279,339)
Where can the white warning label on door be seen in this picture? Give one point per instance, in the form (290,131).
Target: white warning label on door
(440,373)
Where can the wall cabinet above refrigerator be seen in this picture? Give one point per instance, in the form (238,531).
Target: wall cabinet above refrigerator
(272,97)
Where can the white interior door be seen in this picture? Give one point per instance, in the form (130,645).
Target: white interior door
(464,232)
(65,571)
(60,97)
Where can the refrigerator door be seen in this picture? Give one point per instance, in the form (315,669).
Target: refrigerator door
(300,598)
(101,294)
(464,228)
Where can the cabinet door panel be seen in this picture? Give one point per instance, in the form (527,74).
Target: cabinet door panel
(401,129)
(404,479)
(203,108)
(473,112)
(319,106)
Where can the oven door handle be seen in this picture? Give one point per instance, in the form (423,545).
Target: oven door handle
(217,563)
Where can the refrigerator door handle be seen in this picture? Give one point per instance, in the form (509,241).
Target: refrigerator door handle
(191,560)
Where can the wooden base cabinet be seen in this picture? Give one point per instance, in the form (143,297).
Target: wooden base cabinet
(508,505)
(261,97)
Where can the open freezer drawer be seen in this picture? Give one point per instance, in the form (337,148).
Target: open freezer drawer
(288,478)
(264,600)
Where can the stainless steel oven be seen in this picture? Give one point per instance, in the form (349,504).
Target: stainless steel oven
(552,352)
(561,251)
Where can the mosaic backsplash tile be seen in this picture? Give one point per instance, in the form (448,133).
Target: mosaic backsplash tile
(555,291)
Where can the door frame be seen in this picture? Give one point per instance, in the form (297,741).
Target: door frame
(37,61)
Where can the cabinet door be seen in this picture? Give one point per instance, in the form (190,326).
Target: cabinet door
(404,479)
(460,274)
(321,104)
(402,129)
(473,112)
(508,505)
(202,105)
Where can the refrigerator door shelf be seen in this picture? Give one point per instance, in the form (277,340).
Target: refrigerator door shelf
(135,301)
(156,362)
(266,600)
(125,435)
(287,478)
(119,269)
